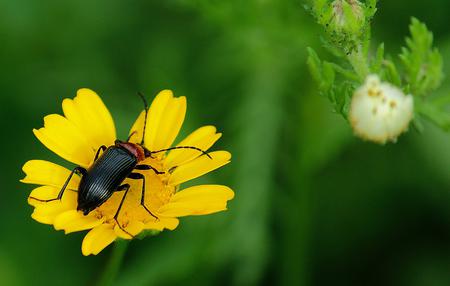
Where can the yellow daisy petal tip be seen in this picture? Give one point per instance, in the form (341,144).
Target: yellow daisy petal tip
(229,193)
(37,132)
(86,91)
(164,92)
(172,224)
(97,239)
(227,155)
(199,167)
(73,221)
(198,200)
(25,168)
(66,139)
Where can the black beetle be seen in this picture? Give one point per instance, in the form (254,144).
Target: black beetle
(110,168)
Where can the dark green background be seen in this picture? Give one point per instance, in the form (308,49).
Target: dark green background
(313,205)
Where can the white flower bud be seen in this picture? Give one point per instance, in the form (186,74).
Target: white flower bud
(379,111)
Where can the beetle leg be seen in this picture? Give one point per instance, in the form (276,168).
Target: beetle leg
(138,176)
(103,148)
(181,147)
(77,170)
(148,167)
(124,187)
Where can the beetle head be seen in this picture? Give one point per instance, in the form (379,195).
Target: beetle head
(86,208)
(135,149)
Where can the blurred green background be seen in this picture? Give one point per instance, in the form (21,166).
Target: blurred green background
(313,205)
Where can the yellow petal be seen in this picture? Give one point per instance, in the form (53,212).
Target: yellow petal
(47,212)
(97,239)
(46,173)
(69,199)
(162,223)
(165,117)
(137,129)
(133,228)
(73,220)
(199,167)
(47,215)
(90,115)
(63,138)
(202,138)
(198,200)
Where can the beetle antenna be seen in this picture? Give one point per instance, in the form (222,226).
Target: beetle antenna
(145,118)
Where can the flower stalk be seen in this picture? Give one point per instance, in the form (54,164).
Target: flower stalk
(358,59)
(114,263)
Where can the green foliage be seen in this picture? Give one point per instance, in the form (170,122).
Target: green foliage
(422,62)
(347,25)
(302,202)
(325,73)
(345,21)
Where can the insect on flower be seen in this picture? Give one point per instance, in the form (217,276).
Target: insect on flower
(130,185)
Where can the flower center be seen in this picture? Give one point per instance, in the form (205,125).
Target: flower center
(157,193)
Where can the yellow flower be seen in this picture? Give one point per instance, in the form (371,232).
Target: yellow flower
(76,137)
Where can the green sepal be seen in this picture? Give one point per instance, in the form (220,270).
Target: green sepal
(147,232)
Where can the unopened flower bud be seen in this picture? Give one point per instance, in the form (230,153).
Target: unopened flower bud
(379,111)
(348,16)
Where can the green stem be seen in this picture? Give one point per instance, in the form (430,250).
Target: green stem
(358,60)
(112,267)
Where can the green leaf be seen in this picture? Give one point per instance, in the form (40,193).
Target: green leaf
(328,76)
(315,65)
(347,73)
(318,5)
(371,8)
(322,72)
(435,112)
(422,62)
(378,60)
(344,94)
(391,74)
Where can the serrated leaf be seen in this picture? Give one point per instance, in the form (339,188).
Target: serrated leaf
(371,8)
(328,76)
(315,65)
(422,62)
(318,5)
(322,72)
(391,73)
(347,73)
(332,48)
